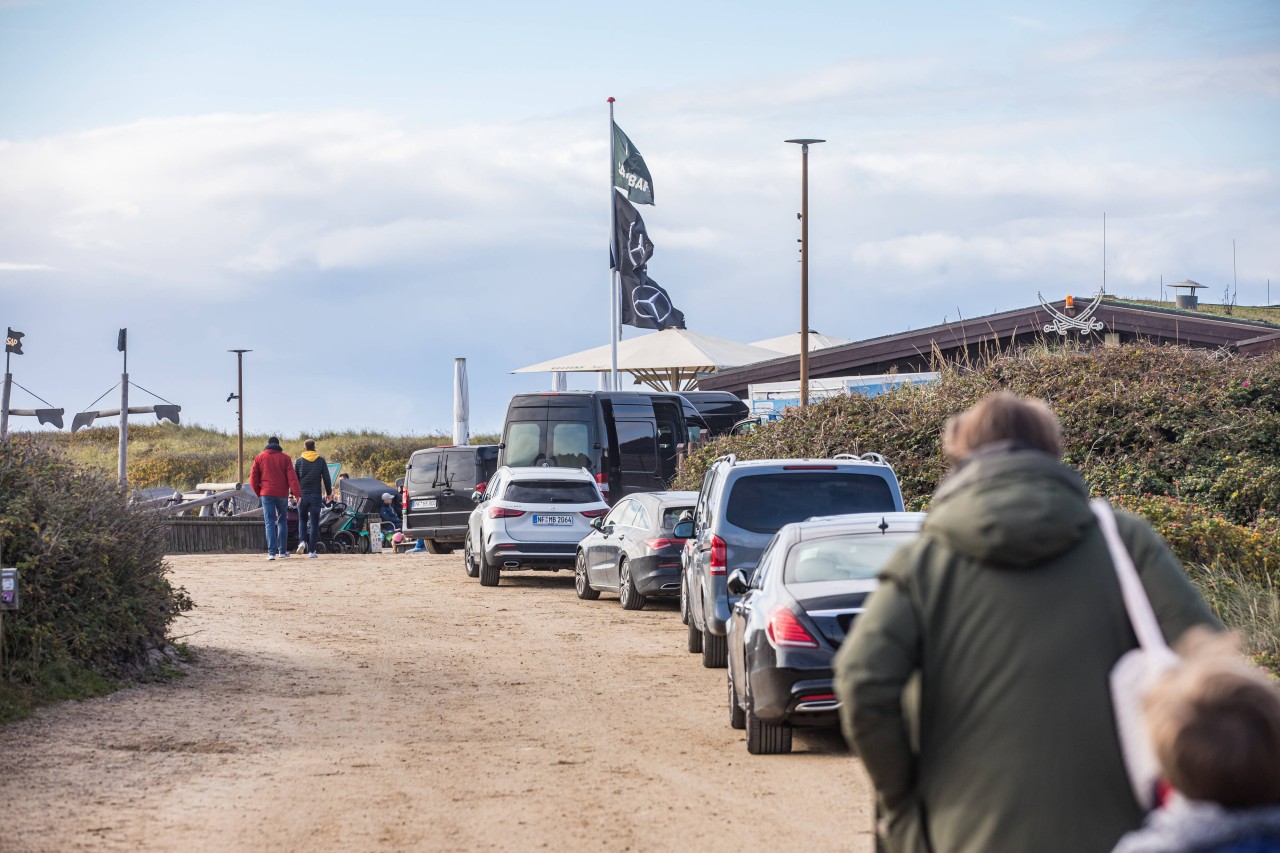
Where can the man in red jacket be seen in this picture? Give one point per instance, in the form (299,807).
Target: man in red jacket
(273,479)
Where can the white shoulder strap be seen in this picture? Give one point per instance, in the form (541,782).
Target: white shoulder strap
(1142,617)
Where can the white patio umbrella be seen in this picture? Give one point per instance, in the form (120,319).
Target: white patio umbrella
(461,403)
(668,360)
(790,344)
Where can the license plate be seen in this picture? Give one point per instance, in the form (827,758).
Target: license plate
(430,503)
(553,519)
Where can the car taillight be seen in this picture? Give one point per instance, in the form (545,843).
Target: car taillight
(784,629)
(503,512)
(404,497)
(655,544)
(719,556)
(480,487)
(602,480)
(595,513)
(808,468)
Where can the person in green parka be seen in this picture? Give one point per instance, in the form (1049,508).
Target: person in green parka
(975,686)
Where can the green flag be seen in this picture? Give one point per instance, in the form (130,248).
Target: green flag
(630,174)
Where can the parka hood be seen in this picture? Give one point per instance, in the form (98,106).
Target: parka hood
(1011,507)
(274,445)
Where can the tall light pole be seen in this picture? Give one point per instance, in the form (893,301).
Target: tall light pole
(804,266)
(240,412)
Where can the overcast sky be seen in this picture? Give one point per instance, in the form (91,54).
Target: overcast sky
(360,192)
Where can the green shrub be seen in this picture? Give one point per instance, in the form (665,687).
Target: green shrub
(1189,438)
(94,589)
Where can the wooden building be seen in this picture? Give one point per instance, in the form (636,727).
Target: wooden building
(1112,322)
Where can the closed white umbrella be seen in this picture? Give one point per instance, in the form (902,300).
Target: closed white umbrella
(559,380)
(461,403)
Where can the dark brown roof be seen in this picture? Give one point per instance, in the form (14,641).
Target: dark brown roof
(913,351)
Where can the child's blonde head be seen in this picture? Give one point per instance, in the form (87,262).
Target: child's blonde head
(1215,726)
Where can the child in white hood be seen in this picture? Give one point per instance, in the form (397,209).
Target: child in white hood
(1215,725)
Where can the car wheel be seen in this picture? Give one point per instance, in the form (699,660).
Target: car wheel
(489,573)
(737,716)
(684,600)
(767,738)
(695,638)
(469,559)
(580,583)
(628,596)
(434,547)
(715,650)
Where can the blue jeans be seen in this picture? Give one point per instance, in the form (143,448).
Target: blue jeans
(275,511)
(309,509)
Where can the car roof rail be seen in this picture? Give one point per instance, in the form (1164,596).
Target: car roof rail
(731,457)
(845,456)
(873,457)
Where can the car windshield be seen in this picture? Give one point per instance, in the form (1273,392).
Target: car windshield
(551,492)
(762,503)
(671,515)
(842,558)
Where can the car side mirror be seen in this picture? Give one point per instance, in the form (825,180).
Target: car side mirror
(597,523)
(606,529)
(737,582)
(683,529)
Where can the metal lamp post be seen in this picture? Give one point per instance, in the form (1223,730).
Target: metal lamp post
(804,265)
(240,413)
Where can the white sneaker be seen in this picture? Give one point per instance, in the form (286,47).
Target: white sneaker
(271,556)
(284,555)
(313,555)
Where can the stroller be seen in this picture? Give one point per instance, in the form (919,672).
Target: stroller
(344,526)
(342,531)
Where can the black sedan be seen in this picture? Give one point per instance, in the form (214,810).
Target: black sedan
(793,611)
(632,550)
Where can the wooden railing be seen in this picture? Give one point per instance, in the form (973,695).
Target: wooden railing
(215,535)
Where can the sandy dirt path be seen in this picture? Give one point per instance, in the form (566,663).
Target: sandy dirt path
(391,703)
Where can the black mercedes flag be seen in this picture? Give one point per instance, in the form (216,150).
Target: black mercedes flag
(645,305)
(122,341)
(630,174)
(631,237)
(13,342)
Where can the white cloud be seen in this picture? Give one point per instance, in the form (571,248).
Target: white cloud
(10,266)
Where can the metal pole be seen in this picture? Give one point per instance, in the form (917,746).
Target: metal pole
(615,276)
(4,403)
(804,267)
(240,414)
(124,425)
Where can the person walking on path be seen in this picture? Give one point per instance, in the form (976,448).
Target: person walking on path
(975,685)
(273,479)
(313,479)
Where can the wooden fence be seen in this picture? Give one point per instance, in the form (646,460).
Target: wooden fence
(214,535)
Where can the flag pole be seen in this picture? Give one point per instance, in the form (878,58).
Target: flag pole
(613,271)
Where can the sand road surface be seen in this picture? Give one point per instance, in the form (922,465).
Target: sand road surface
(389,702)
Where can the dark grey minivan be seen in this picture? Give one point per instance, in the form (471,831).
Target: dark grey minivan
(437,492)
(742,504)
(628,440)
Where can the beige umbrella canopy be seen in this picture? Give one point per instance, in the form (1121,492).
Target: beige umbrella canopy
(668,360)
(790,344)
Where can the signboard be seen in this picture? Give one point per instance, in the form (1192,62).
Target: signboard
(375,537)
(8,589)
(771,399)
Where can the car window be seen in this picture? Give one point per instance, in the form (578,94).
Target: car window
(494,488)
(524,438)
(671,515)
(762,503)
(758,575)
(700,515)
(637,447)
(459,470)
(551,492)
(640,520)
(570,445)
(422,469)
(615,515)
(841,558)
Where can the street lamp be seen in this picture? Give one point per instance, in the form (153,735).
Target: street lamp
(240,413)
(804,265)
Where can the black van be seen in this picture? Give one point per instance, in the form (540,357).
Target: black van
(437,492)
(720,409)
(629,440)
